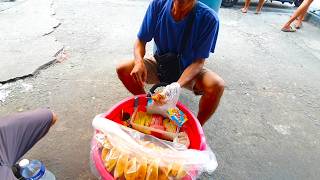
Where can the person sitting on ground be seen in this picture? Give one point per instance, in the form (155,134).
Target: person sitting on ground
(247,3)
(19,132)
(188,28)
(298,15)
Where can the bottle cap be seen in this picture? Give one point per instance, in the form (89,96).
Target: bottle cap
(23,163)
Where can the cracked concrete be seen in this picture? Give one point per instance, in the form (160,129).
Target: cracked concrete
(267,125)
(26,46)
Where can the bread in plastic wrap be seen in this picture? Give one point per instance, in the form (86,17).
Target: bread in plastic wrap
(134,155)
(121,164)
(130,170)
(111,159)
(142,166)
(152,172)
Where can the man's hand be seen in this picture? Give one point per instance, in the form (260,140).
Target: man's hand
(139,73)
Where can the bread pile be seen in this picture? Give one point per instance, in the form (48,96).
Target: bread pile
(129,166)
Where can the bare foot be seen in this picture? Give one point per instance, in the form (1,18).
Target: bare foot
(257,12)
(244,10)
(298,24)
(287,29)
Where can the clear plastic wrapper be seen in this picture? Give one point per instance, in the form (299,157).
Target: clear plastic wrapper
(129,154)
(168,109)
(154,108)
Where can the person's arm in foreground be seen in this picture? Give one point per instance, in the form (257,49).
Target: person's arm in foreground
(139,71)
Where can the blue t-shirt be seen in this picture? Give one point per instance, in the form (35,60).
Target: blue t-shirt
(167,33)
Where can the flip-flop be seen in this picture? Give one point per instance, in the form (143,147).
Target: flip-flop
(257,12)
(288,30)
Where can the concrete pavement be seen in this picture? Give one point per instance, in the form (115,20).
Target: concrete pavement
(26,45)
(267,125)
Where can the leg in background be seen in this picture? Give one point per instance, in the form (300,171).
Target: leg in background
(259,7)
(300,11)
(246,6)
(299,20)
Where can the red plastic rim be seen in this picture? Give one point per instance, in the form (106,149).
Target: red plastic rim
(192,127)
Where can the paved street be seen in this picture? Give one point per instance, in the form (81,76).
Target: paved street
(266,127)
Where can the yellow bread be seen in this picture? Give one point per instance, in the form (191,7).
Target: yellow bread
(141,169)
(112,159)
(164,172)
(152,172)
(121,164)
(130,171)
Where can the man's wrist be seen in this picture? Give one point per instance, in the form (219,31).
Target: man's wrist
(139,61)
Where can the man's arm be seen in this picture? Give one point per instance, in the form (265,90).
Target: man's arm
(191,71)
(172,91)
(139,50)
(139,71)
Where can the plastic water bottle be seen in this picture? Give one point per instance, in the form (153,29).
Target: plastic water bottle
(34,170)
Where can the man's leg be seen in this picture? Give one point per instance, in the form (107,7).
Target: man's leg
(212,87)
(259,7)
(300,11)
(246,6)
(299,20)
(123,71)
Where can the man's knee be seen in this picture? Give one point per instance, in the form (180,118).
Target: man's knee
(220,85)
(216,87)
(124,69)
(120,69)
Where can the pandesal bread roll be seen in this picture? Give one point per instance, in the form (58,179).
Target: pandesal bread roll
(130,171)
(104,153)
(111,159)
(152,172)
(106,143)
(121,164)
(181,173)
(164,171)
(142,166)
(175,169)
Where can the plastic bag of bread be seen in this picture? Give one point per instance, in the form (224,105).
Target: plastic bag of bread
(152,171)
(104,153)
(130,170)
(121,164)
(164,171)
(129,154)
(111,159)
(106,147)
(142,166)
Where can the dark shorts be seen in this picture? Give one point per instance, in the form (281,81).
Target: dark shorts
(152,77)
